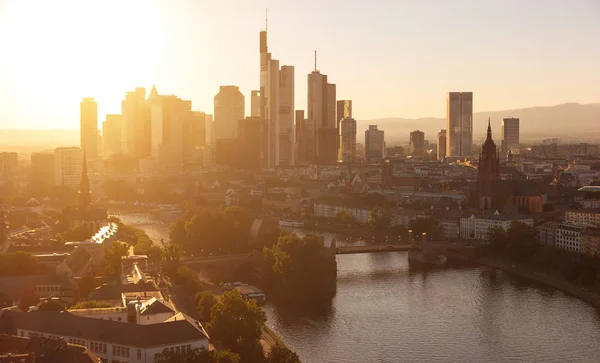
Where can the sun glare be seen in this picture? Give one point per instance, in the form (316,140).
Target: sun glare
(74,49)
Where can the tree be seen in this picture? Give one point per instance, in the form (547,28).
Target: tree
(201,355)
(343,217)
(238,325)
(188,280)
(171,259)
(80,233)
(205,300)
(281,354)
(92,304)
(379,218)
(28,299)
(301,269)
(85,285)
(20,263)
(112,258)
(177,234)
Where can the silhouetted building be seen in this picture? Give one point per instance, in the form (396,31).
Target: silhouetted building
(417,143)
(270,104)
(9,166)
(255,103)
(459,123)
(111,135)
(227,152)
(88,126)
(374,143)
(284,150)
(488,170)
(197,129)
(67,166)
(249,143)
(322,109)
(305,139)
(229,109)
(42,173)
(348,140)
(136,129)
(344,110)
(327,139)
(510,135)
(441,145)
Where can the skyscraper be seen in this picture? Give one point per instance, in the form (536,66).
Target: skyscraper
(136,132)
(255,103)
(510,135)
(305,139)
(459,123)
(374,144)
(229,109)
(68,163)
(285,151)
(111,135)
(249,143)
(321,109)
(344,110)
(88,126)
(270,103)
(417,143)
(347,140)
(332,121)
(441,145)
(42,173)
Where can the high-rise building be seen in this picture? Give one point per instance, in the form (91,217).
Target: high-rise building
(9,166)
(111,135)
(344,110)
(88,126)
(441,144)
(249,143)
(255,103)
(374,144)
(285,151)
(417,143)
(42,173)
(510,135)
(332,121)
(229,109)
(270,104)
(305,139)
(68,163)
(136,132)
(347,140)
(459,123)
(208,154)
(197,129)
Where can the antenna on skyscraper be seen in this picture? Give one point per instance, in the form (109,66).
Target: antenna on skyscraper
(266,19)
(315,60)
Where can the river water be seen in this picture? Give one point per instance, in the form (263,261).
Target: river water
(385,311)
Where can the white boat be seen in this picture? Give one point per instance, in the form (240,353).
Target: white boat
(293,224)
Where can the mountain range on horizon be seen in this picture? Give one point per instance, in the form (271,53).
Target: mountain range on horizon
(569,122)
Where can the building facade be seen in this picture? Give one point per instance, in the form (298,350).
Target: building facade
(136,127)
(477,227)
(229,108)
(284,152)
(374,143)
(417,143)
(588,217)
(88,126)
(568,237)
(68,166)
(459,123)
(255,103)
(111,135)
(347,140)
(488,170)
(441,144)
(510,135)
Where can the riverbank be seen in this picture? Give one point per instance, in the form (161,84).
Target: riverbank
(533,275)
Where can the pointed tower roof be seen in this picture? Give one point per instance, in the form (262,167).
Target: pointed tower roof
(153,93)
(489,130)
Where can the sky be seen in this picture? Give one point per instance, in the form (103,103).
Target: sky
(393,58)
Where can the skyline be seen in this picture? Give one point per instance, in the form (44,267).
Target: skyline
(534,67)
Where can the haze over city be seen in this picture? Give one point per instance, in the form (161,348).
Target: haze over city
(393,58)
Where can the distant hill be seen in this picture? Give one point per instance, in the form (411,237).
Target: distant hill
(569,122)
(37,140)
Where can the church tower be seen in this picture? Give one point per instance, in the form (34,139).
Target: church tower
(488,170)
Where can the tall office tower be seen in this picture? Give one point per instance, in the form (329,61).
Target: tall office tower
(68,163)
(305,139)
(197,129)
(249,143)
(347,140)
(459,123)
(88,126)
(42,173)
(417,143)
(229,109)
(374,144)
(332,122)
(344,110)
(317,104)
(111,135)
(510,135)
(441,144)
(209,150)
(286,117)
(9,166)
(255,103)
(136,136)
(270,103)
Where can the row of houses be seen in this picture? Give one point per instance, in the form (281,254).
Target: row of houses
(571,237)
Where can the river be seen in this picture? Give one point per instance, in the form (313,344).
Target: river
(386,312)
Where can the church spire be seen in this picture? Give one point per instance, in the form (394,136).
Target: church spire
(85,194)
(489,130)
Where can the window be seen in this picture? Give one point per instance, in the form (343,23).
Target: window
(139,354)
(119,351)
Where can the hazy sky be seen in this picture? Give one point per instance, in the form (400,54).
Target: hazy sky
(391,57)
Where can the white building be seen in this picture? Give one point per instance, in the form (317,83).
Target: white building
(329,211)
(68,165)
(112,341)
(568,237)
(589,217)
(477,227)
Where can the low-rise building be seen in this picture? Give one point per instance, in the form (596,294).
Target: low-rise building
(451,228)
(568,237)
(547,233)
(110,340)
(42,286)
(589,217)
(477,227)
(590,241)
